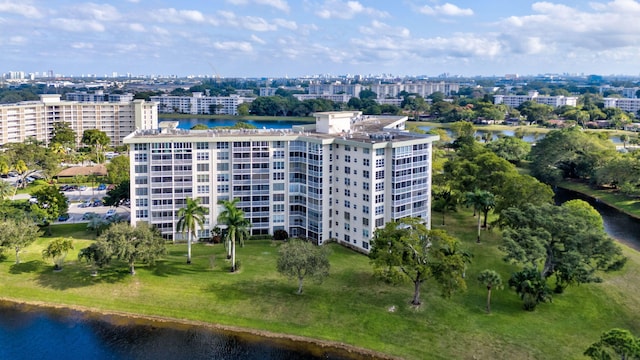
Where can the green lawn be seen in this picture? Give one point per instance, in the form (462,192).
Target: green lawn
(349,307)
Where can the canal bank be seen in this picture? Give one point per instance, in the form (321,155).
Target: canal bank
(118,335)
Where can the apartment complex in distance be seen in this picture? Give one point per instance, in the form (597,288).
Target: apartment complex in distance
(35,119)
(516,100)
(200,104)
(339,179)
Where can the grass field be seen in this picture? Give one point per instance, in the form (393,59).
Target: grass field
(351,306)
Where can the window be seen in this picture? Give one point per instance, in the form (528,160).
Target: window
(141,169)
(347,203)
(347,170)
(140,147)
(142,214)
(140,157)
(347,158)
(380,163)
(379,152)
(379,174)
(379,198)
(365,221)
(278,197)
(202,156)
(223,189)
(278,165)
(202,145)
(365,197)
(365,245)
(222,145)
(222,167)
(365,186)
(366,162)
(347,192)
(365,174)
(142,191)
(365,209)
(203,178)
(380,222)
(142,180)
(379,186)
(203,189)
(223,155)
(347,181)
(202,167)
(278,176)
(142,202)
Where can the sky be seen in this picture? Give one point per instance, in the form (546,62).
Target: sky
(295,38)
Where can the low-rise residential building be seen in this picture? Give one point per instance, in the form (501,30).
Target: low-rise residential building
(516,100)
(339,179)
(35,119)
(200,104)
(624,104)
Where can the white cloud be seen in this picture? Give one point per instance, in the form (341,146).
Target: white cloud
(21,8)
(258,40)
(377,27)
(172,15)
(257,24)
(18,40)
(337,9)
(277,4)
(287,24)
(447,9)
(137,27)
(233,46)
(101,12)
(82,45)
(76,25)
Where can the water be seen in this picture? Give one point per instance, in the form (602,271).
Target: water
(28,332)
(267,124)
(619,226)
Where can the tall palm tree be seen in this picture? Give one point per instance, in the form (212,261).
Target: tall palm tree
(482,201)
(237,227)
(492,280)
(191,218)
(6,190)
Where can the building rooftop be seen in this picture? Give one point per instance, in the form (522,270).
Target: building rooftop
(361,128)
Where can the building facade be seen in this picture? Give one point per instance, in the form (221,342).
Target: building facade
(628,105)
(516,100)
(339,179)
(200,104)
(35,119)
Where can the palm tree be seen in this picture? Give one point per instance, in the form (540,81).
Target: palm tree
(445,200)
(482,201)
(492,280)
(6,190)
(237,227)
(191,217)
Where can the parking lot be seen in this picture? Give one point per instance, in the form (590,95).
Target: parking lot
(77,207)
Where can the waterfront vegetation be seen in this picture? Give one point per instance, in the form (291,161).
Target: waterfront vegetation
(351,306)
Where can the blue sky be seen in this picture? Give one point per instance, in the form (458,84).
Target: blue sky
(276,38)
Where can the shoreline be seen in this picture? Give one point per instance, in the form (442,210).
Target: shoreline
(314,346)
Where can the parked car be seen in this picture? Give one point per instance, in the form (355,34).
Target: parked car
(97,202)
(110,213)
(88,215)
(63,217)
(82,188)
(72,188)
(102,187)
(86,203)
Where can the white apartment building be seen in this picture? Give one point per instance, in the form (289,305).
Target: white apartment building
(341,98)
(628,105)
(422,89)
(339,179)
(200,104)
(516,100)
(98,96)
(35,119)
(351,90)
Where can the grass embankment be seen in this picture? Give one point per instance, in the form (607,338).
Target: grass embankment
(349,307)
(237,117)
(611,197)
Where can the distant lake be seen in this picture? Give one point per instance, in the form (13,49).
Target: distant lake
(267,124)
(29,332)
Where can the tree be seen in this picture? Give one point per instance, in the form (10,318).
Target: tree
(18,234)
(57,250)
(199,127)
(510,148)
(463,129)
(237,227)
(118,169)
(301,259)
(51,204)
(98,140)
(530,287)
(519,189)
(482,202)
(615,343)
(191,217)
(98,254)
(28,157)
(118,195)
(6,190)
(63,134)
(569,153)
(134,244)
(444,200)
(492,280)
(97,223)
(406,249)
(566,241)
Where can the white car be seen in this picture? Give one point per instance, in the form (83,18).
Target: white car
(110,212)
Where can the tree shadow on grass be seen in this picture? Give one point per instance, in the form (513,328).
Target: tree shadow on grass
(166,268)
(247,290)
(26,267)
(78,276)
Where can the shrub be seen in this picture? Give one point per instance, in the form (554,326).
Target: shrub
(280,235)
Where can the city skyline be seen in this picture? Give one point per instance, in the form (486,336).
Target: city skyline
(279,38)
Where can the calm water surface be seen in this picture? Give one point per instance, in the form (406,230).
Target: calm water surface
(267,124)
(28,332)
